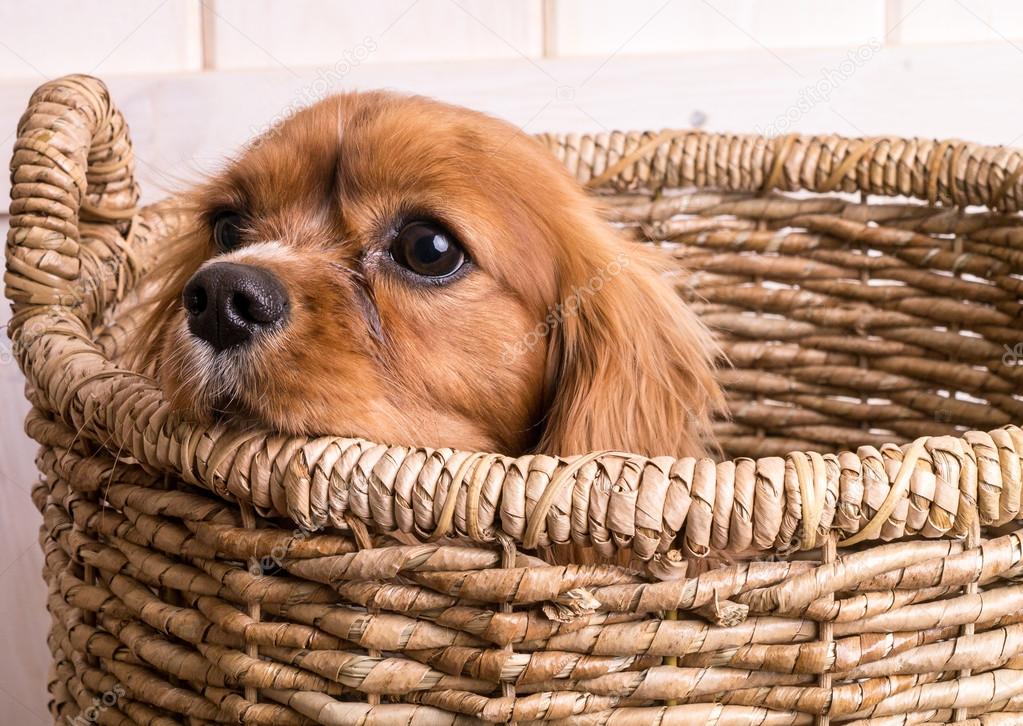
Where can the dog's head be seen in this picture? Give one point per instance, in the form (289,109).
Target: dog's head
(410,272)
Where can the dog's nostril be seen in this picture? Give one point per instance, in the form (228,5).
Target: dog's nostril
(194,299)
(242,304)
(262,305)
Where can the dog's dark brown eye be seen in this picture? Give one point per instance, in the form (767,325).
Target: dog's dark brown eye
(227,230)
(427,250)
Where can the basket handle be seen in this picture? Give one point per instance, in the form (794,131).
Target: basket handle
(73,162)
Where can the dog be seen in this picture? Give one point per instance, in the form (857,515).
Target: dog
(410,272)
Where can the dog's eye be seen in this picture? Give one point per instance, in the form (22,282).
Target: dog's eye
(227,231)
(427,250)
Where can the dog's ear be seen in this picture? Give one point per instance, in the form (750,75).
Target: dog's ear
(630,367)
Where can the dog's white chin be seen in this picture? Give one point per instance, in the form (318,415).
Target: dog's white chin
(212,378)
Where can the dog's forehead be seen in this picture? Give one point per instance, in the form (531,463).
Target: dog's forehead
(366,142)
(408,142)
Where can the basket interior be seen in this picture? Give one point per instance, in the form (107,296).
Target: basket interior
(847,320)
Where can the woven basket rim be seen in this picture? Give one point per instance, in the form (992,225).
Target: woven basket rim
(322,481)
(929,170)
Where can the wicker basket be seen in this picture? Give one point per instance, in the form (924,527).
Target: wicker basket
(208,575)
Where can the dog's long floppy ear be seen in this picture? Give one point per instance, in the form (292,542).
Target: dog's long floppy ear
(630,367)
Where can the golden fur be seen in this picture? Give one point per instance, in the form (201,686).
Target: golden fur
(560,337)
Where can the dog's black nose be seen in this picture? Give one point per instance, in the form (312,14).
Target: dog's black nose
(228,304)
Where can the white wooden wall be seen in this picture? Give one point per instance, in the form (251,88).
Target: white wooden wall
(176,36)
(195,79)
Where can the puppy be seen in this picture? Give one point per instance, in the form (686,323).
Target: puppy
(410,272)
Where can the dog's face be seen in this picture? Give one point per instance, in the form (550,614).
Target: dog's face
(410,272)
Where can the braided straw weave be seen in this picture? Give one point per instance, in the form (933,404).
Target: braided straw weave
(868,295)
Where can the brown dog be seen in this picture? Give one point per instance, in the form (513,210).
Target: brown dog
(410,272)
